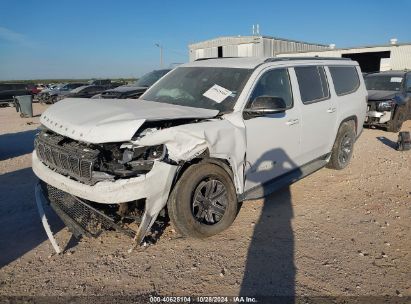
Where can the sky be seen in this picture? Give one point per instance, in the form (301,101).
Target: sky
(86,39)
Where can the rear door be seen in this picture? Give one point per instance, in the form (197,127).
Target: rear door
(318,112)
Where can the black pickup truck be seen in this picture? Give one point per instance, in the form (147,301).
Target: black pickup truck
(389,99)
(9,90)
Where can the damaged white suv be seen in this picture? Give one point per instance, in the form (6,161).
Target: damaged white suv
(208,135)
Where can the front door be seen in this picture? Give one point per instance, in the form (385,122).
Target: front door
(273,140)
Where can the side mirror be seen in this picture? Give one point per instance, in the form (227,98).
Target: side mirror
(267,105)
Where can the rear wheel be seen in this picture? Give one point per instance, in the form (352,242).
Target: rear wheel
(343,148)
(203,202)
(395,124)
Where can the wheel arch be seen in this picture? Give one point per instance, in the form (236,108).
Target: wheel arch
(204,158)
(347,119)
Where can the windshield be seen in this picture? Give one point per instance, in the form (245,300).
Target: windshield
(147,80)
(383,83)
(200,87)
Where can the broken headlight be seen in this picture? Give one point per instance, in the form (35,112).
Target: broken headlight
(138,160)
(128,160)
(144,154)
(385,105)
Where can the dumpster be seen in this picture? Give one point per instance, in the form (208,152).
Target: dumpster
(24,105)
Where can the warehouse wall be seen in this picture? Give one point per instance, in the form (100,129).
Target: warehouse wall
(400,57)
(248,46)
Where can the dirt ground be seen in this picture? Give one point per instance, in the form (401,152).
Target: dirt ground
(334,233)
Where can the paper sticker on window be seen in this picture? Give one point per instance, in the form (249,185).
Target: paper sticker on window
(217,93)
(396,79)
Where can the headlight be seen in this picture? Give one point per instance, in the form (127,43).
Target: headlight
(385,105)
(144,154)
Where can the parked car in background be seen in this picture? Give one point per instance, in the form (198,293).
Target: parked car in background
(109,84)
(34,90)
(389,99)
(102,82)
(86,91)
(56,93)
(135,89)
(205,137)
(9,90)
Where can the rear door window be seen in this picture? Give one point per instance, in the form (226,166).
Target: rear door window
(345,79)
(313,83)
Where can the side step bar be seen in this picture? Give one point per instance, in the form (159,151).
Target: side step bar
(284,180)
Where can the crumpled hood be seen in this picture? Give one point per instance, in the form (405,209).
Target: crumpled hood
(380,95)
(111,120)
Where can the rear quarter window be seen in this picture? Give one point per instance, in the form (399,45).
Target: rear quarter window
(345,79)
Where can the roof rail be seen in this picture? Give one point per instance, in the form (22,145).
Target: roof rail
(274,59)
(208,58)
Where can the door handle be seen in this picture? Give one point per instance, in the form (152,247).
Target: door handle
(292,122)
(331,110)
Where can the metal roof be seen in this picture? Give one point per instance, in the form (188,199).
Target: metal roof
(357,47)
(246,39)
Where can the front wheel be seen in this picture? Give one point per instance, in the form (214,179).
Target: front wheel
(203,202)
(343,148)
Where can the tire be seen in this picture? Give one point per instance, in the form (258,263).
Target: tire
(395,124)
(343,148)
(185,211)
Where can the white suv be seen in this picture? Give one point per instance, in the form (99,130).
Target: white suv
(208,135)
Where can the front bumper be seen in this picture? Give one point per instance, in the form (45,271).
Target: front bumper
(376,117)
(145,186)
(154,187)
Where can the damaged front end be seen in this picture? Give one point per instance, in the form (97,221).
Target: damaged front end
(114,166)
(92,187)
(379,112)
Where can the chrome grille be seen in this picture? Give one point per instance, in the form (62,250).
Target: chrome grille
(68,159)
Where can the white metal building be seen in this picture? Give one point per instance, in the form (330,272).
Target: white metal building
(249,46)
(392,56)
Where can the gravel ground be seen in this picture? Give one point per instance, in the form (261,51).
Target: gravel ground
(334,233)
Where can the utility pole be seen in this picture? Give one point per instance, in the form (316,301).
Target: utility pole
(161,53)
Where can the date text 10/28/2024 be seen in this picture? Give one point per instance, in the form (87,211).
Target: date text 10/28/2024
(201,299)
